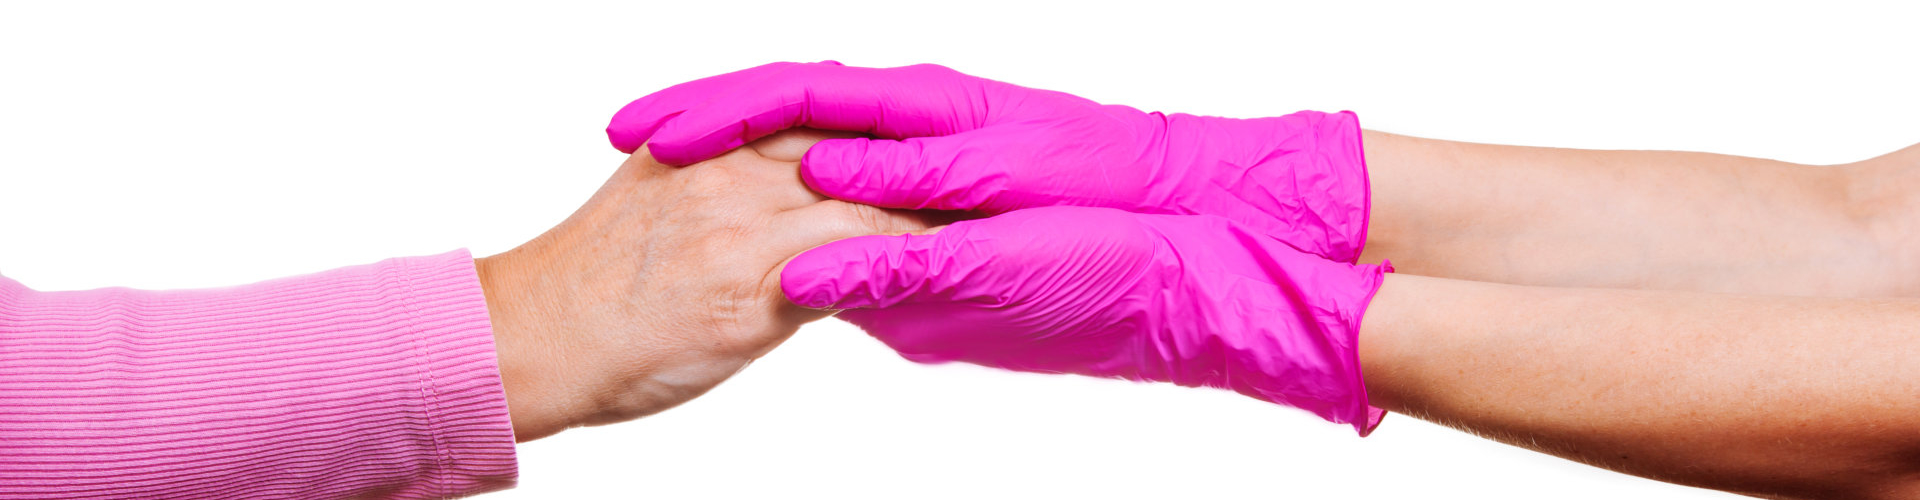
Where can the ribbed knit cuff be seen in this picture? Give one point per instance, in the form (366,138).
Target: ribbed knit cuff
(376,380)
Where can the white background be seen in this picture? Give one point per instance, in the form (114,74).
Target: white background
(171,144)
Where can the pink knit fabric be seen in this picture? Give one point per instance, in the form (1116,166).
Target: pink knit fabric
(373,381)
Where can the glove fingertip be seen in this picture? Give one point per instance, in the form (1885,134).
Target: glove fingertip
(679,144)
(809,282)
(885,173)
(828,166)
(666,150)
(636,122)
(680,152)
(626,143)
(837,275)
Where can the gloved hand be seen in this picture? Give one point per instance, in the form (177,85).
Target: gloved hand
(956,142)
(1192,300)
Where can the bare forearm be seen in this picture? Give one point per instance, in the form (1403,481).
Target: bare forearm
(1800,398)
(1630,219)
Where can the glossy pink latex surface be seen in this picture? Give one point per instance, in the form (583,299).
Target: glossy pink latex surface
(946,140)
(1192,300)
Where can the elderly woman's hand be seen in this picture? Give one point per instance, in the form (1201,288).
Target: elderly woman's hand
(663,285)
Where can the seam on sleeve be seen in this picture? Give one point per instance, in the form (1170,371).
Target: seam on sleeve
(430,394)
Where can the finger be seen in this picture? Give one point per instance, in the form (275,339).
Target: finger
(769,168)
(749,180)
(800,229)
(636,122)
(821,222)
(912,101)
(791,145)
(871,271)
(984,264)
(958,172)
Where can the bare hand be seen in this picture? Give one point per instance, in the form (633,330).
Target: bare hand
(663,285)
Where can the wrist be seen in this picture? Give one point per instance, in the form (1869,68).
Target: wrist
(538,401)
(1330,378)
(1389,343)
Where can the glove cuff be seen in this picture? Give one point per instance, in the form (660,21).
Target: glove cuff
(1301,177)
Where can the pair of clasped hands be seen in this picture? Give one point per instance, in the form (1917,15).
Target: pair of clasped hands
(1091,239)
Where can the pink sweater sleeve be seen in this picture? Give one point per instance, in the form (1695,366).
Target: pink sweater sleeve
(373,381)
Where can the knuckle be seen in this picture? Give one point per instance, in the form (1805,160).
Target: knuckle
(739,321)
(725,233)
(931,69)
(857,219)
(713,177)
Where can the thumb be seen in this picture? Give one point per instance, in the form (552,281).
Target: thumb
(885,270)
(955,172)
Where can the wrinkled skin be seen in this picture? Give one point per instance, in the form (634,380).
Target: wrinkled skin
(663,285)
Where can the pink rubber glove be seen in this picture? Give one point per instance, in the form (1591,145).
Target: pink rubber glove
(1192,300)
(956,142)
